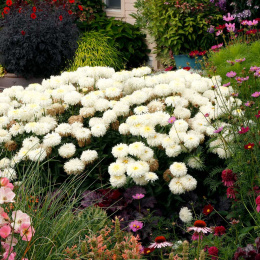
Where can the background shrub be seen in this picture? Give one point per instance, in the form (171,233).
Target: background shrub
(95,50)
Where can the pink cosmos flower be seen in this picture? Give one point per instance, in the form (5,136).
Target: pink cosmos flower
(244,22)
(241,79)
(234,94)
(218,130)
(160,242)
(9,256)
(257,201)
(4,182)
(257,73)
(219,32)
(5,231)
(231,74)
(19,218)
(244,130)
(136,225)
(6,195)
(226,85)
(230,62)
(256,94)
(240,60)
(230,27)
(26,231)
(138,196)
(228,18)
(247,104)
(254,68)
(206,115)
(251,23)
(220,45)
(171,120)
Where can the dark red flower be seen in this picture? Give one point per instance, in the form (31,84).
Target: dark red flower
(201,53)
(244,130)
(231,193)
(20,10)
(60,17)
(240,30)
(253,31)
(228,177)
(9,2)
(221,27)
(219,231)
(186,68)
(34,9)
(33,15)
(71,1)
(258,114)
(258,19)
(207,210)
(169,68)
(6,10)
(148,250)
(80,7)
(249,146)
(160,239)
(23,32)
(213,252)
(70,12)
(199,223)
(194,53)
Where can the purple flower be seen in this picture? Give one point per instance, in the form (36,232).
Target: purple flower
(218,130)
(136,225)
(171,120)
(211,29)
(228,18)
(231,74)
(240,60)
(226,85)
(138,196)
(256,94)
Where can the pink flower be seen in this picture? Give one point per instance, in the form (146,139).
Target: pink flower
(199,226)
(247,104)
(231,193)
(244,22)
(257,73)
(10,241)
(251,23)
(9,256)
(228,177)
(136,225)
(19,218)
(219,231)
(228,18)
(171,120)
(230,62)
(26,231)
(230,27)
(240,60)
(244,130)
(4,182)
(226,85)
(6,195)
(206,115)
(218,130)
(5,231)
(219,32)
(256,94)
(160,242)
(197,236)
(231,74)
(257,201)
(254,68)
(138,196)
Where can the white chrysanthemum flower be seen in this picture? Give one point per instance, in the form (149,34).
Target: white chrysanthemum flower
(118,181)
(103,84)
(156,105)
(74,166)
(4,121)
(120,150)
(185,215)
(50,121)
(136,169)
(86,82)
(89,100)
(15,160)
(162,90)
(181,112)
(4,163)
(87,111)
(223,152)
(31,127)
(200,85)
(178,169)
(113,92)
(4,136)
(42,129)
(136,148)
(72,98)
(238,112)
(177,86)
(101,105)
(37,155)
(67,150)
(89,156)
(98,130)
(122,75)
(177,136)
(51,140)
(82,134)
(176,186)
(151,176)
(8,173)
(147,131)
(147,155)
(116,169)
(188,182)
(63,129)
(173,151)
(123,129)
(155,140)
(180,125)
(142,71)
(167,142)
(191,141)
(195,163)
(109,116)
(31,143)
(140,180)
(141,110)
(16,129)
(4,107)
(121,109)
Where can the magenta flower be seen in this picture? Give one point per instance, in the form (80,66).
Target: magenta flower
(230,27)
(197,236)
(256,94)
(244,130)
(230,62)
(138,196)
(251,23)
(257,73)
(228,18)
(254,68)
(231,74)
(220,45)
(247,104)
(219,32)
(257,201)
(226,85)
(136,225)
(244,22)
(206,115)
(171,120)
(240,60)
(241,79)
(234,94)
(218,130)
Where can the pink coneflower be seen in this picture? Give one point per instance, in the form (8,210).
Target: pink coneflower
(256,94)
(228,177)
(160,242)
(231,193)
(231,74)
(199,226)
(138,196)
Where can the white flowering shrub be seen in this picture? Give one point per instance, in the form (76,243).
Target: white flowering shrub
(137,124)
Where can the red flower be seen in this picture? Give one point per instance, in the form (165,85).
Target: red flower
(244,130)
(253,31)
(80,7)
(9,2)
(34,9)
(71,1)
(249,146)
(23,32)
(213,252)
(60,17)
(221,27)
(194,53)
(20,10)
(219,231)
(228,177)
(160,239)
(6,10)
(240,30)
(33,15)
(169,68)
(258,114)
(186,68)
(70,12)
(207,210)
(148,250)
(199,223)
(231,193)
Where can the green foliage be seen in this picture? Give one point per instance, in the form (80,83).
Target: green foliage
(94,49)
(127,38)
(218,61)
(177,28)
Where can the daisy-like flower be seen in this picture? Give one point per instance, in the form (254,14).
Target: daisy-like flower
(136,225)
(207,210)
(178,169)
(185,215)
(200,226)
(138,196)
(160,242)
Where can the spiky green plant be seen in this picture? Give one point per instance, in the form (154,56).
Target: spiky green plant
(94,50)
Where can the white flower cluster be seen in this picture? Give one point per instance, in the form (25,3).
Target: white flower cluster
(133,103)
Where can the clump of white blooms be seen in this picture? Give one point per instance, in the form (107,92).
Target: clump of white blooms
(134,105)
(185,215)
